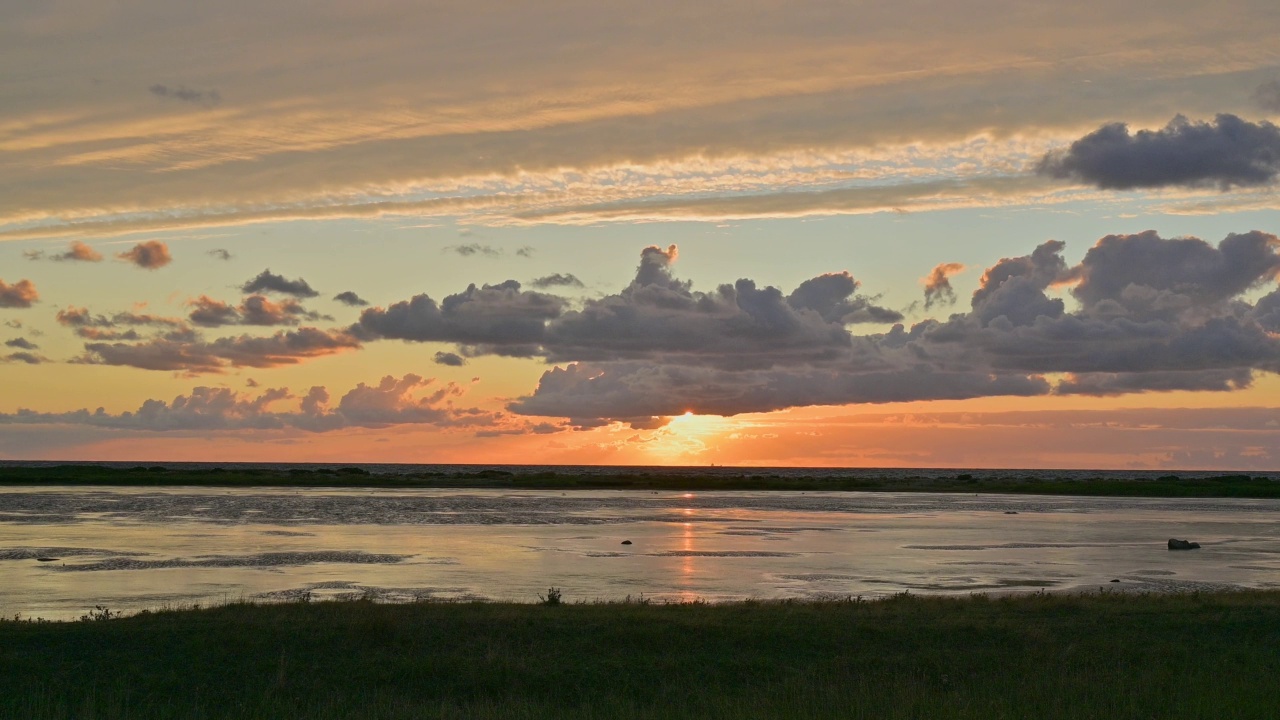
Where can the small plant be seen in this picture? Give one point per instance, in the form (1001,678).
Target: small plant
(553,596)
(99,612)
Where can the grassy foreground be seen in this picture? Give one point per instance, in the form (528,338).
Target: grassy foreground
(1238,486)
(1032,656)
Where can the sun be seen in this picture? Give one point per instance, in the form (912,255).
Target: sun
(687,436)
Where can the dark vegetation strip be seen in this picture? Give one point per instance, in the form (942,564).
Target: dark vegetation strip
(1030,656)
(1238,486)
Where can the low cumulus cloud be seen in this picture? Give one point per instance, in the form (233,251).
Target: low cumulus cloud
(1148,314)
(28,358)
(18,295)
(410,399)
(471,249)
(937,286)
(182,93)
(1228,152)
(267,281)
(253,310)
(78,252)
(450,359)
(191,353)
(149,255)
(219,253)
(557,280)
(119,326)
(350,298)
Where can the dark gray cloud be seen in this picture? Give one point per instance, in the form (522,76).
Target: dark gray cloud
(219,253)
(253,310)
(526,251)
(1267,96)
(411,399)
(190,353)
(450,359)
(267,281)
(937,286)
(182,93)
(1101,384)
(350,298)
(25,357)
(1144,275)
(1149,315)
(500,316)
(101,327)
(149,255)
(589,393)
(471,249)
(77,252)
(21,344)
(1229,152)
(557,280)
(18,295)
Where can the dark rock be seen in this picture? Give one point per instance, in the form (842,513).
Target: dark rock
(1183,545)
(1010,512)
(1115,581)
(626,542)
(47,559)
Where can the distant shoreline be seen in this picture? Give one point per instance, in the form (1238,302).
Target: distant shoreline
(1030,482)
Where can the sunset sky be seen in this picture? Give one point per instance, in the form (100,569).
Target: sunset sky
(922,233)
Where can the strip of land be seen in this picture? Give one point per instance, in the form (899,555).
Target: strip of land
(1222,486)
(1030,656)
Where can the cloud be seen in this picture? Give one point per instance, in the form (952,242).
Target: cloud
(253,310)
(526,251)
(1227,153)
(192,354)
(25,357)
(1149,315)
(77,252)
(472,249)
(207,98)
(350,298)
(219,253)
(100,327)
(267,281)
(410,399)
(450,359)
(149,255)
(937,286)
(1267,96)
(19,295)
(557,280)
(503,317)
(21,344)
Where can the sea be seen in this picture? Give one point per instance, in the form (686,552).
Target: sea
(65,551)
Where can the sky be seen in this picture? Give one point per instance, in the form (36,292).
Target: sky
(805,233)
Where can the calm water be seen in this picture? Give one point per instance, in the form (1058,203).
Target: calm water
(131,549)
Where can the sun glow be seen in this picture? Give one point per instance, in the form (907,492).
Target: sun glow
(686,437)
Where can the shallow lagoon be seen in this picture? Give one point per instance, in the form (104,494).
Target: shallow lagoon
(130,549)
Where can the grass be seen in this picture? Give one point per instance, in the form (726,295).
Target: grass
(1238,486)
(1030,656)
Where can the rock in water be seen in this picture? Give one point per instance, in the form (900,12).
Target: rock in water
(626,542)
(1183,545)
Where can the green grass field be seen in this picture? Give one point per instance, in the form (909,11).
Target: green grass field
(1029,656)
(1241,486)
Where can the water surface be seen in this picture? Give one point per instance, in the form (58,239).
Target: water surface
(136,548)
